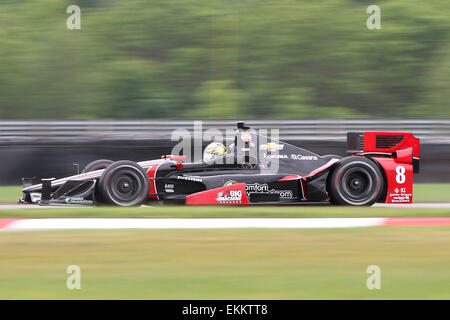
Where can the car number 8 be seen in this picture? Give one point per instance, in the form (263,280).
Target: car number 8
(400,177)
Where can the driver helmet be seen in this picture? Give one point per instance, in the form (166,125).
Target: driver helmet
(213,151)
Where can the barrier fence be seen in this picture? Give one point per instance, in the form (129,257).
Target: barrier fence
(437,130)
(45,149)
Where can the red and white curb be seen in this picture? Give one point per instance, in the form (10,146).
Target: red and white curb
(213,223)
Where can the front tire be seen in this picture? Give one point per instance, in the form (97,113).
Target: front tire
(124,183)
(355,181)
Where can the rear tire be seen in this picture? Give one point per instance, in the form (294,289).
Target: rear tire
(124,183)
(97,165)
(355,181)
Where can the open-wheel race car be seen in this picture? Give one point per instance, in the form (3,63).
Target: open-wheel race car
(255,169)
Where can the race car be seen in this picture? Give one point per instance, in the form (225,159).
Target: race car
(254,169)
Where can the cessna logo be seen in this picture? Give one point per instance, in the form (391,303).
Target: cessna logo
(232,196)
(293,156)
(300,157)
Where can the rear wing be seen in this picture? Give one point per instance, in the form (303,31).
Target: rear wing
(387,144)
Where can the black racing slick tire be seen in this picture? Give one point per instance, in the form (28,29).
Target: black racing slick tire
(97,165)
(124,183)
(355,181)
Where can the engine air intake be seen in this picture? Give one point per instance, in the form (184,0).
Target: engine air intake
(387,142)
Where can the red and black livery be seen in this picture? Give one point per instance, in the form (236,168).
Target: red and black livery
(255,170)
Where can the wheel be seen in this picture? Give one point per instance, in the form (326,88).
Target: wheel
(124,183)
(355,181)
(97,165)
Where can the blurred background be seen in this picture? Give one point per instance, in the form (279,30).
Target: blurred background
(216,59)
(137,70)
(224,59)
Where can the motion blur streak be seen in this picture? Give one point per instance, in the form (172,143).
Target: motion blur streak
(216,223)
(224,59)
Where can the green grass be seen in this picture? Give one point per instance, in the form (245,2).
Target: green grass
(10,194)
(227,212)
(432,192)
(227,264)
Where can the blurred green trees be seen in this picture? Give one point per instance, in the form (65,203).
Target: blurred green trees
(224,59)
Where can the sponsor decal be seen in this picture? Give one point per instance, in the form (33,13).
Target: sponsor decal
(264,188)
(301,157)
(190,178)
(400,196)
(293,156)
(271,146)
(397,198)
(70,200)
(246,136)
(229,183)
(275,156)
(231,196)
(169,187)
